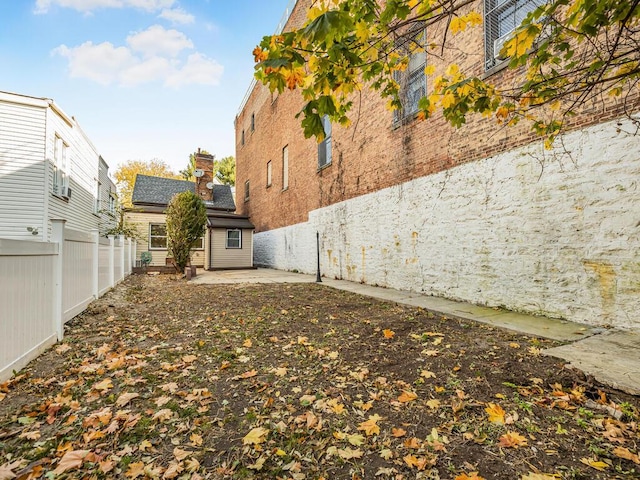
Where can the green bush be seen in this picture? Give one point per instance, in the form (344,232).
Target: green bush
(186,219)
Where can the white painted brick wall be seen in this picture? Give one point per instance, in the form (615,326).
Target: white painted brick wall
(563,240)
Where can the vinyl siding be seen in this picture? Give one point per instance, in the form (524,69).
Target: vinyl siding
(22,170)
(223,257)
(158,257)
(83,160)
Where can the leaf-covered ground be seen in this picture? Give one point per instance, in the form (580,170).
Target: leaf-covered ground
(161,379)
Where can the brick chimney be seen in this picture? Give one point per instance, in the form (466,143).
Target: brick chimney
(204,162)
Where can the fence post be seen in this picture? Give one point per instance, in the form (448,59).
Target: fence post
(96,262)
(130,266)
(134,255)
(111,261)
(122,257)
(57,236)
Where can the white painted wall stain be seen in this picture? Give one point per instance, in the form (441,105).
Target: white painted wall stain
(564,242)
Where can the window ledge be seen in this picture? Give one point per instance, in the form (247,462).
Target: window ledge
(495,69)
(60,197)
(326,165)
(284,189)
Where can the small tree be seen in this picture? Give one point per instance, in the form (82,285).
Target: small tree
(186,219)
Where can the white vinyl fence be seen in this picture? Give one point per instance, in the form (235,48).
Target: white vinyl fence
(43,285)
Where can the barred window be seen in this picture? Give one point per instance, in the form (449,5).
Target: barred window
(413,84)
(501,18)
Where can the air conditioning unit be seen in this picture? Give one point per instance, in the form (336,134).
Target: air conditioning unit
(498,43)
(65,192)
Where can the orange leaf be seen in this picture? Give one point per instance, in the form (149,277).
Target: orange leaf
(398,432)
(135,470)
(470,476)
(407,396)
(388,333)
(370,427)
(496,413)
(512,439)
(249,374)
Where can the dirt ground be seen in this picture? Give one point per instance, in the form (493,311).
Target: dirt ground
(162,379)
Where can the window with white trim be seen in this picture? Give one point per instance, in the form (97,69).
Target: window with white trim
(234,238)
(112,203)
(96,196)
(412,80)
(157,236)
(501,18)
(198,244)
(60,168)
(324,147)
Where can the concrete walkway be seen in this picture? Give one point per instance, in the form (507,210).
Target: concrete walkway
(611,356)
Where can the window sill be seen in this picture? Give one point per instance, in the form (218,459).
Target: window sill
(284,189)
(326,165)
(268,185)
(60,197)
(406,120)
(495,69)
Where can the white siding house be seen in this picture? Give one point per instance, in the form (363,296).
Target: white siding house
(48,169)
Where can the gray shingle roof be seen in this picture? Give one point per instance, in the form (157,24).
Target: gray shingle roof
(150,190)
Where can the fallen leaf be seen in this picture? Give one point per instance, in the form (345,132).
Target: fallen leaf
(370,426)
(162,415)
(407,396)
(388,333)
(135,470)
(65,347)
(189,358)
(279,372)
(70,461)
(433,404)
(356,439)
(427,374)
(348,453)
(255,436)
(539,476)
(512,440)
(104,385)
(126,398)
(6,473)
(180,454)
(386,453)
(398,432)
(247,343)
(622,452)
(598,465)
(172,471)
(196,439)
(469,476)
(496,413)
(249,374)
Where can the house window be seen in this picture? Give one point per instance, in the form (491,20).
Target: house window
(285,168)
(112,203)
(96,195)
(412,81)
(198,244)
(157,236)
(246,191)
(502,17)
(269,173)
(234,238)
(324,147)
(253,122)
(60,168)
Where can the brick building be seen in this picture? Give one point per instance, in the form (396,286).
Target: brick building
(481,213)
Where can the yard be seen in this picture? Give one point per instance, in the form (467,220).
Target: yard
(161,379)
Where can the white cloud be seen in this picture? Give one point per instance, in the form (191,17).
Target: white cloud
(177,15)
(102,63)
(151,56)
(199,70)
(87,6)
(155,40)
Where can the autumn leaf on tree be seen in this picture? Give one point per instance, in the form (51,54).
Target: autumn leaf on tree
(496,413)
(255,436)
(512,440)
(370,427)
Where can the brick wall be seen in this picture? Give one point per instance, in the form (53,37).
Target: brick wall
(371,154)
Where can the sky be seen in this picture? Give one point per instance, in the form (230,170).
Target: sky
(144,79)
